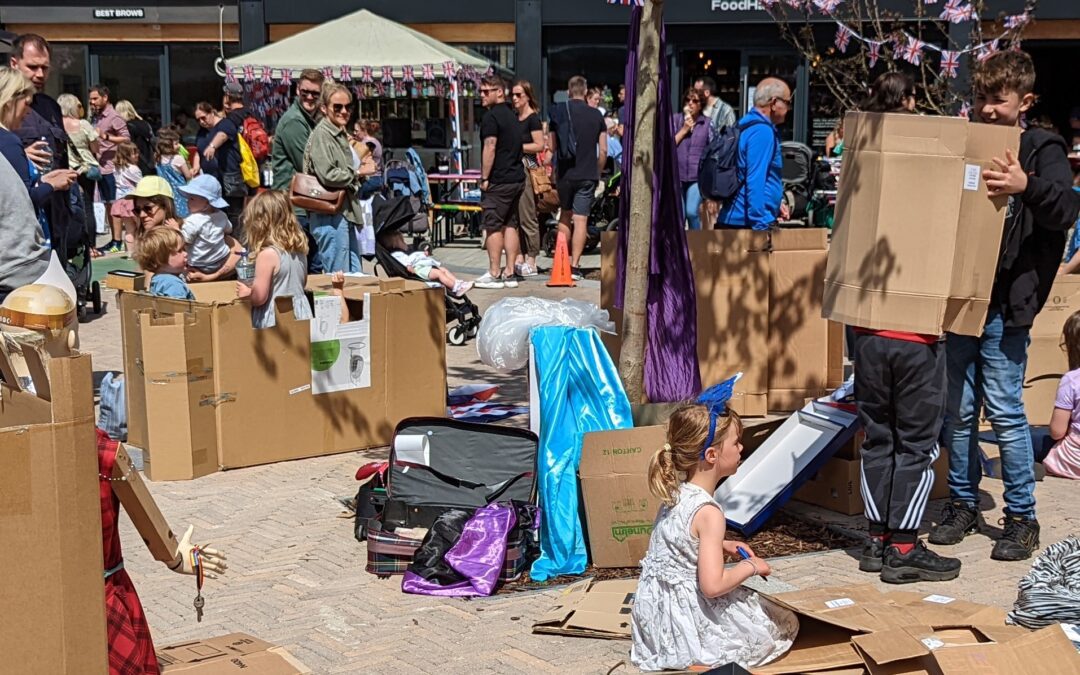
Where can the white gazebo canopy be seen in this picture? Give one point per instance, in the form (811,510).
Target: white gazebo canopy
(357,40)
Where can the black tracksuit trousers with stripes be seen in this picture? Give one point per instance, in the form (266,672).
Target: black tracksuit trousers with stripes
(900,393)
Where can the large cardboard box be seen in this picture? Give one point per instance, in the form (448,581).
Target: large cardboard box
(589,608)
(52,591)
(261,401)
(1047,361)
(758,312)
(227,654)
(916,239)
(837,485)
(619,508)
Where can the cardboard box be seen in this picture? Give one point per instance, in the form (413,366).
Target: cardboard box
(233,653)
(266,375)
(916,240)
(836,485)
(589,608)
(142,509)
(125,280)
(50,522)
(619,508)
(1047,361)
(758,301)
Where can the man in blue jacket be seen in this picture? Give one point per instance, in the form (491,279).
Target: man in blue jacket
(759,202)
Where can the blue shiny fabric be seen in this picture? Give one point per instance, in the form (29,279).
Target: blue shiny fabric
(580,392)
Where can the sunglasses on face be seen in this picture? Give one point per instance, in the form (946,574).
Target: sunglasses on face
(147,209)
(341,107)
(308,93)
(518,94)
(488,90)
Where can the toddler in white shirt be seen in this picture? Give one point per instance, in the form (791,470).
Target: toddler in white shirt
(206,226)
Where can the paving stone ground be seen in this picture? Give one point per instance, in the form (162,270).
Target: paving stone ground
(297,576)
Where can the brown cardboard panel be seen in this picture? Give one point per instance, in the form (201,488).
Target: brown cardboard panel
(1047,362)
(142,509)
(819,648)
(50,513)
(886,271)
(619,508)
(228,654)
(836,485)
(125,280)
(588,608)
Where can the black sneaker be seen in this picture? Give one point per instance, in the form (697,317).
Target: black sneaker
(872,553)
(576,274)
(918,564)
(958,520)
(1020,539)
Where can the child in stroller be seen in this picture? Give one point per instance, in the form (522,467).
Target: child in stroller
(389,216)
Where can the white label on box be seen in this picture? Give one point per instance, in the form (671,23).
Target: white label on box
(932,643)
(413,449)
(303,387)
(839,602)
(940,599)
(972,174)
(340,352)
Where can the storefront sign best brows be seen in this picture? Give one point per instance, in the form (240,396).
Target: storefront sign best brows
(107,13)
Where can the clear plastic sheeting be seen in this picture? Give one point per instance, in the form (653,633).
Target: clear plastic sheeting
(503,340)
(579,392)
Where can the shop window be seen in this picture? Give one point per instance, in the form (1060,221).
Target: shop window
(785,67)
(602,65)
(502,55)
(192,76)
(723,67)
(68,74)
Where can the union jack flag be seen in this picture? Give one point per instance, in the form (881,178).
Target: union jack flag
(440,88)
(1017,21)
(249,73)
(387,73)
(843,37)
(912,51)
(965,111)
(380,87)
(429,71)
(627,3)
(448,69)
(266,79)
(230,75)
(769,4)
(286,75)
(955,13)
(986,50)
(407,73)
(950,62)
(359,91)
(346,73)
(875,51)
(797,4)
(365,74)
(827,6)
(328,72)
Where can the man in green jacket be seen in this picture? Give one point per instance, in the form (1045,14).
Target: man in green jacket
(290,139)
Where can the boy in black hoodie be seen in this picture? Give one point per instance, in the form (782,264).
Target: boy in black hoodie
(989,369)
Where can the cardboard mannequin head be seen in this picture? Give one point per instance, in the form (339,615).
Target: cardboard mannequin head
(45,310)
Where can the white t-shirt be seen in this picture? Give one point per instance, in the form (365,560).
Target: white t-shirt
(205,237)
(418,258)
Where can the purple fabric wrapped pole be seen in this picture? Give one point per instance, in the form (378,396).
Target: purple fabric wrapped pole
(671,363)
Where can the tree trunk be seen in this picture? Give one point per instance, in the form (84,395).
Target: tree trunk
(632,354)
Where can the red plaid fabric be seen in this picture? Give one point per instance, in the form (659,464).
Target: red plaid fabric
(131,648)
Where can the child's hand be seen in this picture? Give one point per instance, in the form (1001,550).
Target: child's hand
(242,290)
(337,280)
(762,566)
(1010,180)
(732,548)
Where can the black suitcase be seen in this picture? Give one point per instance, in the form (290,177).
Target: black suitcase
(467,466)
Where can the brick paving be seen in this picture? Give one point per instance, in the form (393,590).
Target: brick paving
(296,574)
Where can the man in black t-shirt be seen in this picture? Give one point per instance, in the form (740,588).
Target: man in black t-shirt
(502,181)
(223,144)
(579,171)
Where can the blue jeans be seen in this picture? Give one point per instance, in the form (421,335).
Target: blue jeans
(691,202)
(989,370)
(314,265)
(336,247)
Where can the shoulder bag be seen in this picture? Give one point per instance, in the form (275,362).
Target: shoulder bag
(547,197)
(306,192)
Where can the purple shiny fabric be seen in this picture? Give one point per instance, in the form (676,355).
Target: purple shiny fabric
(478,555)
(671,363)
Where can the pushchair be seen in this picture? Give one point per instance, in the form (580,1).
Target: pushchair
(407,178)
(799,172)
(71,229)
(392,213)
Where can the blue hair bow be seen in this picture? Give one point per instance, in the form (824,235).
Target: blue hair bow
(716,398)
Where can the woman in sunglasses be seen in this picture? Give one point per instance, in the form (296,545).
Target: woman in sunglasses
(691,129)
(329,158)
(152,206)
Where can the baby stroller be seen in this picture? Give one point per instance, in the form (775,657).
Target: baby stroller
(798,176)
(407,178)
(72,239)
(393,213)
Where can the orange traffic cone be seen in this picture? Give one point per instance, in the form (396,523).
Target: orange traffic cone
(560,271)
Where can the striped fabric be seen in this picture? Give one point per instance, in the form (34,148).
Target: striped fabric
(1050,592)
(389,554)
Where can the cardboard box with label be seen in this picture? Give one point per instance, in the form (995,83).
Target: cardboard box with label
(758,312)
(1047,361)
(590,608)
(233,653)
(836,485)
(50,520)
(916,240)
(619,508)
(244,396)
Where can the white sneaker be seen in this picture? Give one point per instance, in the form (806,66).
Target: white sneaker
(461,288)
(488,281)
(510,282)
(525,270)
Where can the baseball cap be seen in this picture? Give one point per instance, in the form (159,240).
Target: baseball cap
(234,89)
(151,186)
(207,187)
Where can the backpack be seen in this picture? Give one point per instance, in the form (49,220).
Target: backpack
(249,168)
(257,138)
(567,146)
(718,172)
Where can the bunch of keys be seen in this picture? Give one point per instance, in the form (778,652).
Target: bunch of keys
(196,565)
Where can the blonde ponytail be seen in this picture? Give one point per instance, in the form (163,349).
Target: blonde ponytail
(663,479)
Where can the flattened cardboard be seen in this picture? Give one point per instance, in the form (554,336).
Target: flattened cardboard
(589,608)
(930,272)
(142,509)
(228,654)
(619,509)
(819,647)
(836,485)
(50,513)
(1047,361)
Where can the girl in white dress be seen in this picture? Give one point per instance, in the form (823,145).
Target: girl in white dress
(689,609)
